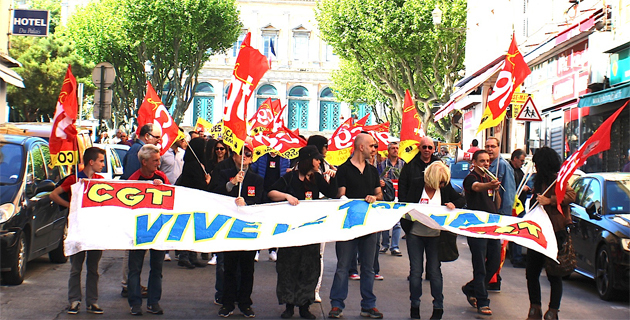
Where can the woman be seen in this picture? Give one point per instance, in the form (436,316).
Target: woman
(298,267)
(422,239)
(220,153)
(547,164)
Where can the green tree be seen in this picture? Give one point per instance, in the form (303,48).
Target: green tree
(395,46)
(177,36)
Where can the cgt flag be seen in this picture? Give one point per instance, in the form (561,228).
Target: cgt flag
(263,118)
(152,110)
(63,137)
(514,72)
(250,67)
(410,130)
(284,141)
(598,142)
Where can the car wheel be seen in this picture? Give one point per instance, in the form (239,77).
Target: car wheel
(18,263)
(604,276)
(58,255)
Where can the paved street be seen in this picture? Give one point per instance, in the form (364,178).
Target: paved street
(188,293)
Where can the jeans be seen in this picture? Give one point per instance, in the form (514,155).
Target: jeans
(346,252)
(535,262)
(517,253)
(91,278)
(235,288)
(156,261)
(218,284)
(417,247)
(486,258)
(395,237)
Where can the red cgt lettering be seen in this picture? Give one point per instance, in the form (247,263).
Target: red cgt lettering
(131,196)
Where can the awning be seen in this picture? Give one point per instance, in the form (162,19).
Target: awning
(466,89)
(10,76)
(605,96)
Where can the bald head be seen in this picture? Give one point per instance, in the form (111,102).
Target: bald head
(362,146)
(426,148)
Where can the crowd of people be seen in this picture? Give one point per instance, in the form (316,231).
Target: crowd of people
(210,165)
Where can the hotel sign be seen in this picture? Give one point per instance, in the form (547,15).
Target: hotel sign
(30,23)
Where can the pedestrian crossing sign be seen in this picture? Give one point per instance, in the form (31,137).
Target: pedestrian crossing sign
(529,112)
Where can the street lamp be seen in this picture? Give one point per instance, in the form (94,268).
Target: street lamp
(437,15)
(148,69)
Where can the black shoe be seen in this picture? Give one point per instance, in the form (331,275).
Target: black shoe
(519,264)
(415,313)
(185,263)
(225,311)
(200,264)
(437,314)
(248,312)
(204,256)
(124,293)
(94,308)
(288,312)
(494,287)
(155,309)
(136,310)
(305,313)
(74,307)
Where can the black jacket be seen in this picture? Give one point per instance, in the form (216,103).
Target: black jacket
(193,175)
(411,182)
(447,193)
(253,185)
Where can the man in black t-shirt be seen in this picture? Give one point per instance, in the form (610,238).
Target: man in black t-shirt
(357,180)
(486,253)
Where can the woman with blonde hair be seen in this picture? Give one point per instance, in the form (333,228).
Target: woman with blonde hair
(423,240)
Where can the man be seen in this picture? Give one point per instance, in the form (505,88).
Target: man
(252,192)
(474,146)
(411,181)
(149,158)
(357,180)
(516,162)
(93,163)
(149,134)
(124,140)
(194,134)
(505,174)
(481,194)
(172,162)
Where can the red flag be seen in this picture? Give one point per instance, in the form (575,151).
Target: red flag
(514,72)
(410,130)
(340,143)
(598,142)
(246,40)
(361,122)
(379,132)
(262,118)
(62,143)
(283,141)
(250,67)
(152,110)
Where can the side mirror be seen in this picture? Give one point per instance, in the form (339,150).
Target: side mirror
(118,171)
(594,210)
(45,186)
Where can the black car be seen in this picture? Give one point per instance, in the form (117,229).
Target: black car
(459,171)
(31,224)
(601,230)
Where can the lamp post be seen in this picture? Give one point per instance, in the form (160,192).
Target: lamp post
(437,16)
(148,69)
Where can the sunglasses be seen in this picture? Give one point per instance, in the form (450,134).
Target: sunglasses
(427,147)
(375,146)
(248,154)
(219,148)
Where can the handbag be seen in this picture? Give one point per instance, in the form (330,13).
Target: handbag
(566,258)
(447,246)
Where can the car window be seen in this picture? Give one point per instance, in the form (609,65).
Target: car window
(39,164)
(10,163)
(460,170)
(108,156)
(115,160)
(618,197)
(121,154)
(593,193)
(580,188)
(54,172)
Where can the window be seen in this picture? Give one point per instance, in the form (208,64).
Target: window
(54,173)
(203,102)
(270,37)
(593,193)
(39,167)
(264,92)
(360,110)
(580,188)
(329,111)
(298,108)
(330,54)
(300,47)
(237,44)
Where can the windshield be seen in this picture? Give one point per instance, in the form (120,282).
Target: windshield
(618,196)
(460,170)
(10,163)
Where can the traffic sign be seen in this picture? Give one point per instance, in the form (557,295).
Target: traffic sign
(107,112)
(109,74)
(529,112)
(109,93)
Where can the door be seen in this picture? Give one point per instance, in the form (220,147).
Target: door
(39,203)
(58,216)
(578,215)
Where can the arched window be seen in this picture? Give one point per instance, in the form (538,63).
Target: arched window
(203,102)
(329,111)
(360,110)
(298,108)
(264,92)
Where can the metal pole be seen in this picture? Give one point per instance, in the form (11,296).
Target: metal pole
(100,102)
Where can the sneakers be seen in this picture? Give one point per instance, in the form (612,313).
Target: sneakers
(94,308)
(213,260)
(335,313)
(74,307)
(256,257)
(355,276)
(225,312)
(136,310)
(273,256)
(414,313)
(383,250)
(371,313)
(248,312)
(155,309)
(167,257)
(494,287)
(218,302)
(186,264)
(378,277)
(396,252)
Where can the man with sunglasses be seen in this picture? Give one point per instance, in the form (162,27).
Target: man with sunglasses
(149,134)
(230,180)
(411,181)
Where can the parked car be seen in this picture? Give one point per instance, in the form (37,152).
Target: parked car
(459,171)
(121,150)
(113,164)
(601,230)
(31,224)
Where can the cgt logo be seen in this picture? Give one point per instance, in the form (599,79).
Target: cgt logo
(131,196)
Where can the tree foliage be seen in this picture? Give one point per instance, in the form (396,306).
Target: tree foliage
(395,46)
(177,36)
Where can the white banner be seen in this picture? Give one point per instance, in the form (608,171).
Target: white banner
(110,215)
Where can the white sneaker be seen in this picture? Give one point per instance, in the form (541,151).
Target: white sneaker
(318,299)
(256,257)
(167,257)
(213,260)
(273,256)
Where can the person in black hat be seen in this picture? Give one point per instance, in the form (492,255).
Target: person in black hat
(298,267)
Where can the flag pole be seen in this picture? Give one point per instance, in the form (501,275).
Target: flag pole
(80,107)
(548,188)
(240,186)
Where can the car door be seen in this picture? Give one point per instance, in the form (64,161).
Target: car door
(57,216)
(587,226)
(579,230)
(39,201)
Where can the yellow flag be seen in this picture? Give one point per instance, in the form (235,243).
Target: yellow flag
(517,208)
(489,121)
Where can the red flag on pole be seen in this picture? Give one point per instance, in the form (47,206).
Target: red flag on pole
(598,142)
(262,118)
(250,67)
(410,130)
(152,110)
(62,143)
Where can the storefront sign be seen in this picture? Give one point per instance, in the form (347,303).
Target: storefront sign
(30,23)
(620,67)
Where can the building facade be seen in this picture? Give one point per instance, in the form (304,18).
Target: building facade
(8,77)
